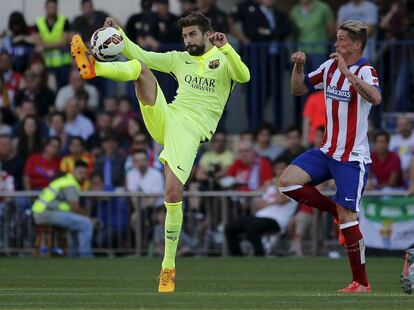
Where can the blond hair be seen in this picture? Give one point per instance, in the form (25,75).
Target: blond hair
(357,31)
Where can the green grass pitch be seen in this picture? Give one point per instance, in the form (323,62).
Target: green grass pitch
(202,283)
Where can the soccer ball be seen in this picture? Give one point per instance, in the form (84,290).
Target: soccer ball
(106,44)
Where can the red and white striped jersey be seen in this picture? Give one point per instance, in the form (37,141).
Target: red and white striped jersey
(346,123)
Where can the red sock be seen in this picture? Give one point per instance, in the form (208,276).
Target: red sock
(355,248)
(309,195)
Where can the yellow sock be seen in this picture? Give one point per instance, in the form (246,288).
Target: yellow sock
(120,71)
(173,221)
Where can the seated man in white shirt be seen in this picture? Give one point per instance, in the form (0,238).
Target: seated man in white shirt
(76,123)
(273,213)
(76,84)
(145,179)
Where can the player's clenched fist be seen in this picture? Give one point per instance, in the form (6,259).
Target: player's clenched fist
(298,58)
(218,39)
(110,22)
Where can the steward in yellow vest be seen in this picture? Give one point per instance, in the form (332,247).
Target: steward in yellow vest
(53,39)
(58,205)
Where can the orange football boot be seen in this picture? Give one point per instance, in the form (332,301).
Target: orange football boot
(83,58)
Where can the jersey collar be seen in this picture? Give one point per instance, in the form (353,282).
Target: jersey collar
(208,54)
(359,63)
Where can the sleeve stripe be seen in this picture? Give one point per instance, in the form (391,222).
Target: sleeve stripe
(317,78)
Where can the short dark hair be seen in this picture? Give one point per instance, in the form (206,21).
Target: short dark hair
(52,1)
(50,139)
(382,133)
(281,160)
(195,19)
(79,163)
(357,31)
(86,1)
(77,138)
(294,128)
(265,127)
(57,113)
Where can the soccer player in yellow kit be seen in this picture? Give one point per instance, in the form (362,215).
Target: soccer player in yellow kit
(206,74)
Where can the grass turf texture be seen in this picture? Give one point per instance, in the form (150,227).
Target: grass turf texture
(202,283)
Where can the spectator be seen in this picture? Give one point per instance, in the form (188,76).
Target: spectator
(138,25)
(402,142)
(313,116)
(219,21)
(89,21)
(26,109)
(103,126)
(163,27)
(123,115)
(77,152)
(385,171)
(18,42)
(110,105)
(145,179)
(11,78)
(134,127)
(140,143)
(41,95)
(142,178)
(11,161)
(6,96)
(111,215)
(187,6)
(273,213)
(6,185)
(4,128)
(110,164)
(293,143)
(57,129)
(76,123)
(249,172)
(38,66)
(52,39)
(366,12)
(213,164)
(29,140)
(262,22)
(41,168)
(263,143)
(61,207)
(315,25)
(75,86)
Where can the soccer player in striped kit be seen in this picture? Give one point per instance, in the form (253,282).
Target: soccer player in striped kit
(351,87)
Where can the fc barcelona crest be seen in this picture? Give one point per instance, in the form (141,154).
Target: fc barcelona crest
(214,64)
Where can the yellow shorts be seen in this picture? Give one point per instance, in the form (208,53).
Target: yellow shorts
(176,132)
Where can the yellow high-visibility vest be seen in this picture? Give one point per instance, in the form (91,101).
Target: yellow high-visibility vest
(54,58)
(50,194)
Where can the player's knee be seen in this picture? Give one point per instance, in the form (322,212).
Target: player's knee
(173,193)
(346,215)
(286,180)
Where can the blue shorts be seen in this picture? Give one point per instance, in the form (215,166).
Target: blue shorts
(350,177)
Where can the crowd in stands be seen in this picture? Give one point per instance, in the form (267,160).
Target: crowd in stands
(50,117)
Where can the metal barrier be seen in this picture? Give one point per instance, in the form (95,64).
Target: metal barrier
(123,230)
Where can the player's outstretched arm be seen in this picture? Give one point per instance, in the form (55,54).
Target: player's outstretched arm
(238,70)
(158,61)
(297,80)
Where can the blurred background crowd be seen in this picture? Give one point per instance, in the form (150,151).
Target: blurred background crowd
(50,117)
